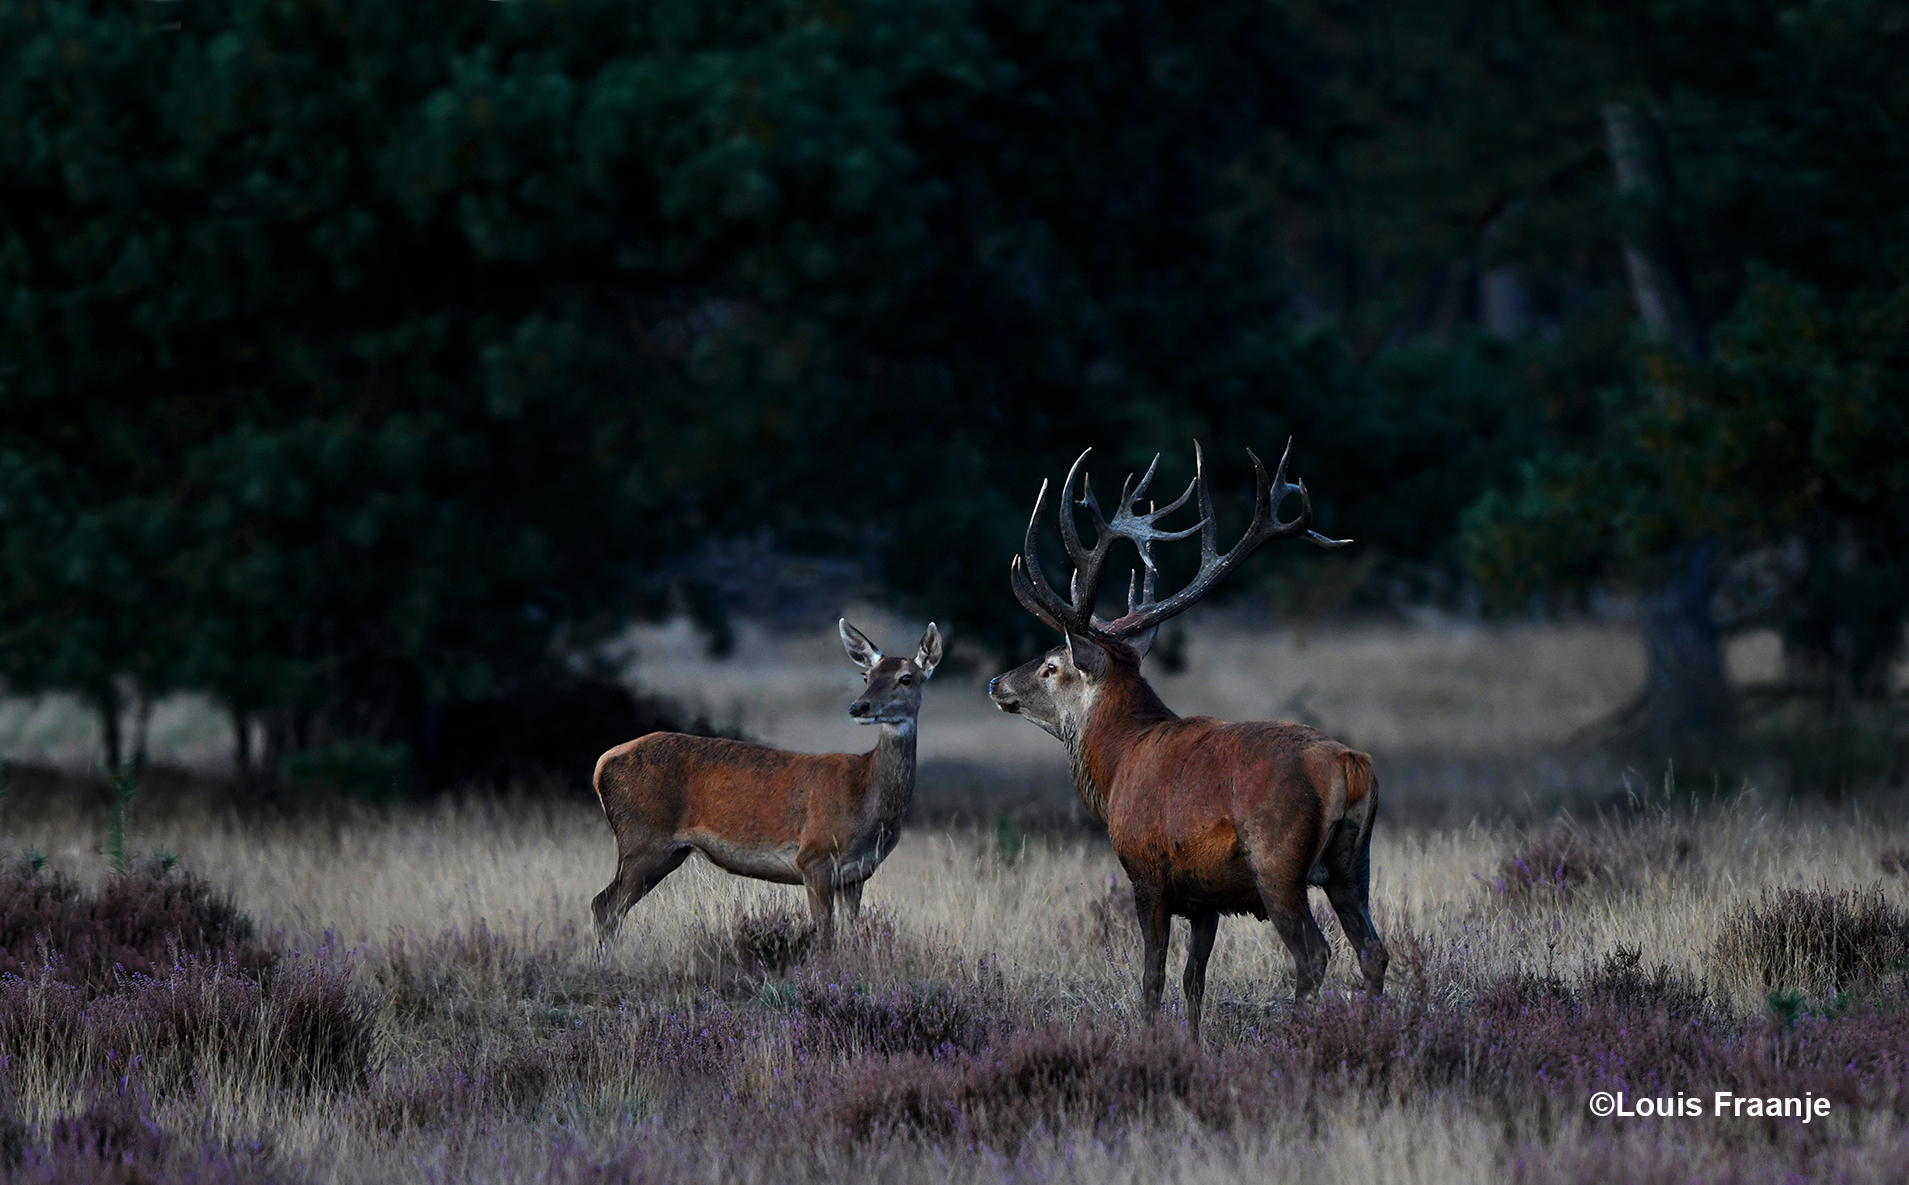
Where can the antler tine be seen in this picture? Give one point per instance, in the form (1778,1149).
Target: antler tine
(1146,591)
(1024,592)
(1070,531)
(1030,583)
(1209,522)
(1280,489)
(1127,499)
(1084,588)
(1214,567)
(1075,612)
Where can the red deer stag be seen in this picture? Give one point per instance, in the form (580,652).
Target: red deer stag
(825,821)
(1206,817)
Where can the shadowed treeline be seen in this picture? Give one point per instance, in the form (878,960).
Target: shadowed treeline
(364,366)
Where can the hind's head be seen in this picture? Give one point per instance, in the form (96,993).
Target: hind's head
(893,694)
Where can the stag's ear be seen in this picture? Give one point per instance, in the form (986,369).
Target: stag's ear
(1088,658)
(1142,642)
(862,652)
(928,654)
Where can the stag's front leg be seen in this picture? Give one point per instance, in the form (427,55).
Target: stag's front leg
(852,901)
(1150,906)
(1206,924)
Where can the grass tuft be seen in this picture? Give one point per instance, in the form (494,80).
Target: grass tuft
(1818,941)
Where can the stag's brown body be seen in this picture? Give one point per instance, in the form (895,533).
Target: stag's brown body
(825,821)
(1207,818)
(1218,817)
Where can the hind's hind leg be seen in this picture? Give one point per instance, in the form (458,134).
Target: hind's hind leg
(1348,885)
(636,874)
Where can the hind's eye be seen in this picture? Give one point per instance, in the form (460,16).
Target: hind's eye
(864,678)
(905,678)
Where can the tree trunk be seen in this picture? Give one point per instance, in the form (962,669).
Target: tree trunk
(1650,257)
(106,703)
(142,727)
(242,746)
(1685,688)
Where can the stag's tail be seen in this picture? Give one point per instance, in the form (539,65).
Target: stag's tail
(1360,781)
(1362,791)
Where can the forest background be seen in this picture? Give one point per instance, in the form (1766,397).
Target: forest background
(365,366)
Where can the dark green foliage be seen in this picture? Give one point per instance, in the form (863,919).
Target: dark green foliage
(1781,449)
(360,361)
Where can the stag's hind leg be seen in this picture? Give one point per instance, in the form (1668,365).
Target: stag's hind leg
(1280,862)
(1348,886)
(636,874)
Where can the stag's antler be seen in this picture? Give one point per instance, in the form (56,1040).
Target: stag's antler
(1076,614)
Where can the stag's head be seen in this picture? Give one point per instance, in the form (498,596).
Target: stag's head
(1058,690)
(893,694)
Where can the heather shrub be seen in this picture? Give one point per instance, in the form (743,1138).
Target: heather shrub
(1620,981)
(1515,1043)
(1047,1078)
(764,943)
(418,981)
(626,1062)
(1568,858)
(307,1030)
(114,1140)
(1818,941)
(138,924)
(840,1018)
(461,1093)
(739,957)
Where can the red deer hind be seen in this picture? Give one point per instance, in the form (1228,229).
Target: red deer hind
(825,821)
(1206,817)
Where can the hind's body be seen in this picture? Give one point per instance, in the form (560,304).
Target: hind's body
(825,821)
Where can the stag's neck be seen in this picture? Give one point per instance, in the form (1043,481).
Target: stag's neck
(891,772)
(1126,710)
(1085,788)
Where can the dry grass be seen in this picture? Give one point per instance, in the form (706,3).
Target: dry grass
(711,1045)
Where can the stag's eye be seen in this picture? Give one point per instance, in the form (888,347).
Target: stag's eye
(1047,672)
(906,678)
(864,678)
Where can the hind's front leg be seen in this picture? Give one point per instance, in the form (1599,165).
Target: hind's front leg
(818,875)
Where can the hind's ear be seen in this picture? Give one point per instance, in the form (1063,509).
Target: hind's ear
(862,652)
(928,654)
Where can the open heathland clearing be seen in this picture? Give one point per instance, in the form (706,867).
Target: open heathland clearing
(417,995)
